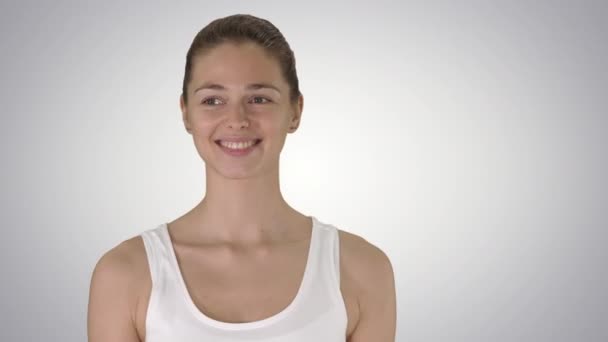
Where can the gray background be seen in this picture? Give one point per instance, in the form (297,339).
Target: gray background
(465,139)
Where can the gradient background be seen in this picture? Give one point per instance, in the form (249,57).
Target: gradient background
(465,139)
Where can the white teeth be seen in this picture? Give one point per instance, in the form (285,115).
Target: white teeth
(237,145)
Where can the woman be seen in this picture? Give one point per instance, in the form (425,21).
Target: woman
(242,264)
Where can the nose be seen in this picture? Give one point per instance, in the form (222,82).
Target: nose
(237,117)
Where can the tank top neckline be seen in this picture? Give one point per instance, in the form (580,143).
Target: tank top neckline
(201,316)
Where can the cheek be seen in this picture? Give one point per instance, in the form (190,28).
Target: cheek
(274,121)
(277,133)
(202,122)
(203,126)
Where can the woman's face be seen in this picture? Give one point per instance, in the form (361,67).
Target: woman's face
(237,93)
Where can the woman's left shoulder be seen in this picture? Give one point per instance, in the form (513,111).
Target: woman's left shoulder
(369,257)
(368,274)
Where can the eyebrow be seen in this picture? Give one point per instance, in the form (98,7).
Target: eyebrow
(252,86)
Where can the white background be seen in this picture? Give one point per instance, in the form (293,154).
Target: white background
(465,139)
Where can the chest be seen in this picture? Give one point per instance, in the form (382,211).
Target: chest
(240,289)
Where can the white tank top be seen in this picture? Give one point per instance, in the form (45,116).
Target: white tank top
(317,313)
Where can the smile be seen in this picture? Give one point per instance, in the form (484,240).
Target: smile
(241,148)
(238,145)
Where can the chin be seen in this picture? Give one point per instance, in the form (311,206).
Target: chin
(237,173)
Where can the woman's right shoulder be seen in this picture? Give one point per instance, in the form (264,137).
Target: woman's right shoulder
(115,296)
(127,261)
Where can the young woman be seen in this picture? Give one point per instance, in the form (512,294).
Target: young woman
(242,265)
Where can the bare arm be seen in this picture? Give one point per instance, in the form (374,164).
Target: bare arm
(378,307)
(111,306)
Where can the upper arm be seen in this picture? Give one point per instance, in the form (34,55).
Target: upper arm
(111,302)
(377,302)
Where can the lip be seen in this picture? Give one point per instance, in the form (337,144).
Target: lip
(238,153)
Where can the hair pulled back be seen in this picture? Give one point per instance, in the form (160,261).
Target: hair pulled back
(241,28)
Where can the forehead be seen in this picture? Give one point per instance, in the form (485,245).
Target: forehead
(237,63)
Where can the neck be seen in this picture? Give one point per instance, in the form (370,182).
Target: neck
(247,211)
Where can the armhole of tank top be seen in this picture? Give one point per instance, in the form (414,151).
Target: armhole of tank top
(149,244)
(336,272)
(336,264)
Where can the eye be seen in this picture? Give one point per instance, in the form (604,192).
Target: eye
(211,101)
(257,98)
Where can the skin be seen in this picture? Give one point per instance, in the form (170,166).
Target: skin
(242,232)
(243,200)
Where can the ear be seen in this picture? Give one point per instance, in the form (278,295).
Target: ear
(297,115)
(183,107)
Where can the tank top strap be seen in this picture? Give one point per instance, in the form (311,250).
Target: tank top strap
(153,249)
(156,243)
(328,272)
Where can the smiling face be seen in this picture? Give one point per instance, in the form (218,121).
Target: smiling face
(237,96)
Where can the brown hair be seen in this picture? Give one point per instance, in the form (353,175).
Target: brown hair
(239,28)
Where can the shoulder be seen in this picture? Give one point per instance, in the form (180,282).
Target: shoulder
(115,291)
(370,273)
(123,263)
(372,264)
(120,273)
